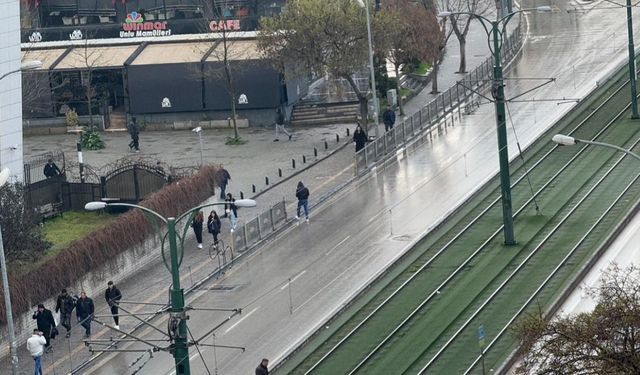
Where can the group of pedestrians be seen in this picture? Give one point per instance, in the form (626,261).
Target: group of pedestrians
(47,330)
(360,137)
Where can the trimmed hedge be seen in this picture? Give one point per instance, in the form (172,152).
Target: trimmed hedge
(101,247)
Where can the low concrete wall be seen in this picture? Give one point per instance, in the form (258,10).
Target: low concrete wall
(190,124)
(56,125)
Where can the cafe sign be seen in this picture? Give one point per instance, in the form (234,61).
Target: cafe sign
(135,26)
(224,25)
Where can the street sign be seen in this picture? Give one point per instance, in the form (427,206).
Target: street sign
(481,336)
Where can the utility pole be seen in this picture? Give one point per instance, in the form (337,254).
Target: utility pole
(501,123)
(7,307)
(632,64)
(181,348)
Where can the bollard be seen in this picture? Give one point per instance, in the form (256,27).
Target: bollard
(347,132)
(304,159)
(337,138)
(253,188)
(293,163)
(326,145)
(266,180)
(241,195)
(279,172)
(315,152)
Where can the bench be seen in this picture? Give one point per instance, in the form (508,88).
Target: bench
(50,210)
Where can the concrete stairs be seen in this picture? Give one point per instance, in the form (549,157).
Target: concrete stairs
(324,114)
(118,122)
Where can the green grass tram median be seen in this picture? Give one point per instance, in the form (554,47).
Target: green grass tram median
(424,313)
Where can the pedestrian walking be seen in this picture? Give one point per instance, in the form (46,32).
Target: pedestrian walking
(35,346)
(262,368)
(388,118)
(302,193)
(231,211)
(113,297)
(222,178)
(84,312)
(359,137)
(213,226)
(45,322)
(134,132)
(65,305)
(280,124)
(51,169)
(196,224)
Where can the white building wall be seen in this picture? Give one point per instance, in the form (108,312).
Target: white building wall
(10,89)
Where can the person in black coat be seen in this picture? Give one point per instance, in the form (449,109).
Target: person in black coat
(196,224)
(262,368)
(302,193)
(222,178)
(65,305)
(388,118)
(51,169)
(84,312)
(214,225)
(231,211)
(360,138)
(45,321)
(113,296)
(134,132)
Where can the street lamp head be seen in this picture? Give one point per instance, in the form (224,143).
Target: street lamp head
(31,65)
(564,140)
(95,206)
(444,14)
(360,3)
(544,8)
(4,176)
(245,203)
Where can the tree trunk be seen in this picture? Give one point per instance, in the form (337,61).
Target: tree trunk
(463,55)
(434,77)
(398,89)
(89,101)
(362,100)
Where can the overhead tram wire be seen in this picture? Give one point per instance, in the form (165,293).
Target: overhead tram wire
(524,162)
(617,91)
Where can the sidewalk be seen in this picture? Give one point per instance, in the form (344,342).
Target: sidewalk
(264,157)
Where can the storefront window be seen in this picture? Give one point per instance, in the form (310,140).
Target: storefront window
(184,9)
(151,10)
(92,12)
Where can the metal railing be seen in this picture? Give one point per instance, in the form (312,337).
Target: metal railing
(251,232)
(463,92)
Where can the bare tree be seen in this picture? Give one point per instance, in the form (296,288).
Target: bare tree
(88,59)
(226,50)
(324,36)
(415,35)
(435,6)
(460,23)
(603,341)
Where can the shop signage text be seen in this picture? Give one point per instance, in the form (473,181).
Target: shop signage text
(135,26)
(228,25)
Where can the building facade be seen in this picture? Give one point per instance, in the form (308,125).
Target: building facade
(10,89)
(160,61)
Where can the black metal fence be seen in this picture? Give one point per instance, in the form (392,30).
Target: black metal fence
(34,166)
(464,92)
(129,183)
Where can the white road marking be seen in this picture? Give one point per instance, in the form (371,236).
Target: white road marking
(292,280)
(338,245)
(242,319)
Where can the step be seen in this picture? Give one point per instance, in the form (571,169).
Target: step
(325,121)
